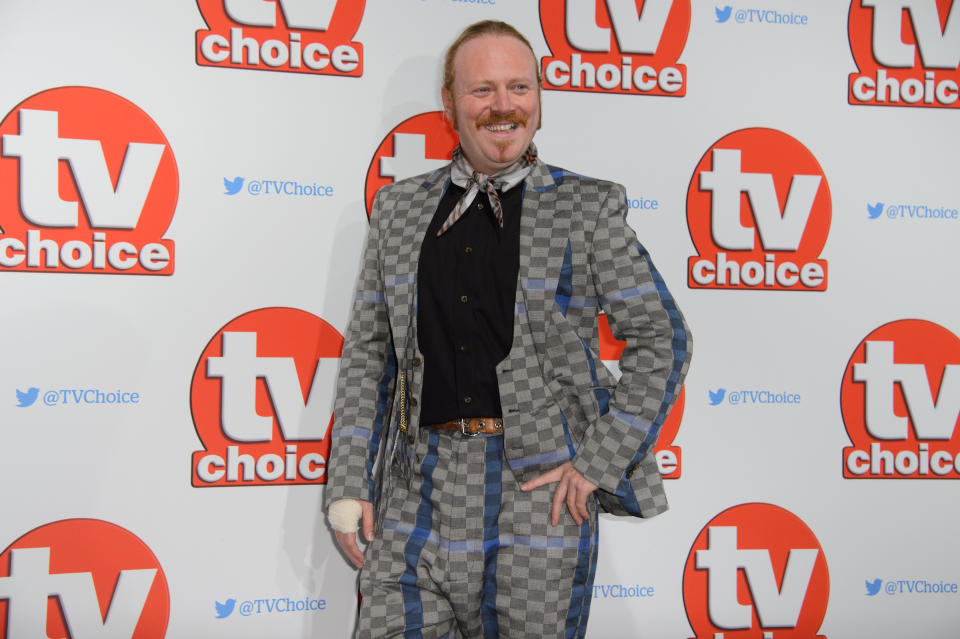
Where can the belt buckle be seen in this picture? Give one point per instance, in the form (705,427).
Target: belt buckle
(463,423)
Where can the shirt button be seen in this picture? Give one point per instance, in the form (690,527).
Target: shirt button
(463,298)
(480,205)
(467,399)
(463,347)
(468,249)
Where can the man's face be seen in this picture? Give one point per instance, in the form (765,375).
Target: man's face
(494,104)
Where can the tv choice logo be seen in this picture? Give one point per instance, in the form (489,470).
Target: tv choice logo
(268,605)
(421,143)
(755,396)
(894,587)
(907,53)
(756,568)
(611,46)
(299,36)
(82,396)
(88,184)
(262,400)
(916,212)
(759,16)
(276,187)
(900,402)
(758,211)
(82,578)
(669,457)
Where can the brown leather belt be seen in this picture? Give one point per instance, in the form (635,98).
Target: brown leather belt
(472,426)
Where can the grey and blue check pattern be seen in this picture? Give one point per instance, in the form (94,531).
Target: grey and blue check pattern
(573,237)
(465,553)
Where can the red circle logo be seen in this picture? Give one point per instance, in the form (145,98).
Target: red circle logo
(82,578)
(88,184)
(282,35)
(613,47)
(902,55)
(262,400)
(753,569)
(900,400)
(758,210)
(419,144)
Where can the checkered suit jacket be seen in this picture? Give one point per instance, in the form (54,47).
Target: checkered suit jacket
(577,257)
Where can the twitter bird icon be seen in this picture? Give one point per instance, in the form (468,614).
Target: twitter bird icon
(716,396)
(723,14)
(874,210)
(233,186)
(28,398)
(873,587)
(224,610)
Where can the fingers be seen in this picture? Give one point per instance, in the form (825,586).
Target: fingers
(577,490)
(348,543)
(367,520)
(572,489)
(546,478)
(558,496)
(574,500)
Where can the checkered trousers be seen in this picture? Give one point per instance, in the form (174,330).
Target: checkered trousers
(465,553)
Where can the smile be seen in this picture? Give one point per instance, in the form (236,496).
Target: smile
(505,126)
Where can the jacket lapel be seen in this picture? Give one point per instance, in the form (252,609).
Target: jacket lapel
(402,255)
(544,233)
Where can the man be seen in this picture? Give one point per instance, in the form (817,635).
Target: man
(472,407)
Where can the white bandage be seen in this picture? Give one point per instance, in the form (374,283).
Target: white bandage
(344,515)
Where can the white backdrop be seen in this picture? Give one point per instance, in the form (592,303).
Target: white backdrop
(135,442)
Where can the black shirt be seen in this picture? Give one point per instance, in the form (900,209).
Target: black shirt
(466,282)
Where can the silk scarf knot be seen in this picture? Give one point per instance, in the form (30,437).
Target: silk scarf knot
(473,181)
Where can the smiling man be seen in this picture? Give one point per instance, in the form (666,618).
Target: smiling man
(476,433)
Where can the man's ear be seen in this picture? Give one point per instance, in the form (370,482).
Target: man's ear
(447,98)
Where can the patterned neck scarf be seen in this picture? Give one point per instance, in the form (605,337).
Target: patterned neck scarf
(464,175)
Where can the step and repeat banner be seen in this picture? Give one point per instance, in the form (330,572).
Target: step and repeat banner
(184,194)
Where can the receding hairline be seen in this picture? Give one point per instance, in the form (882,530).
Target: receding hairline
(477,30)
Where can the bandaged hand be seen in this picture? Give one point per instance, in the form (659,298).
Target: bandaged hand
(344,515)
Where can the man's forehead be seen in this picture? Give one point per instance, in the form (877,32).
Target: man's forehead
(503,43)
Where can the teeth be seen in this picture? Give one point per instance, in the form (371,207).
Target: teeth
(501,127)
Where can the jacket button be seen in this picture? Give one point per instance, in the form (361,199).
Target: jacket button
(411,439)
(630,471)
(413,401)
(416,361)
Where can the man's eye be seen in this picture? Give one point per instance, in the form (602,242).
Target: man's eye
(520,87)
(481,91)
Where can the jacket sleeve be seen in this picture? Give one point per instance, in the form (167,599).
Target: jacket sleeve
(366,379)
(655,359)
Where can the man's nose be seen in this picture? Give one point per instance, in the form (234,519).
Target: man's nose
(502,100)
